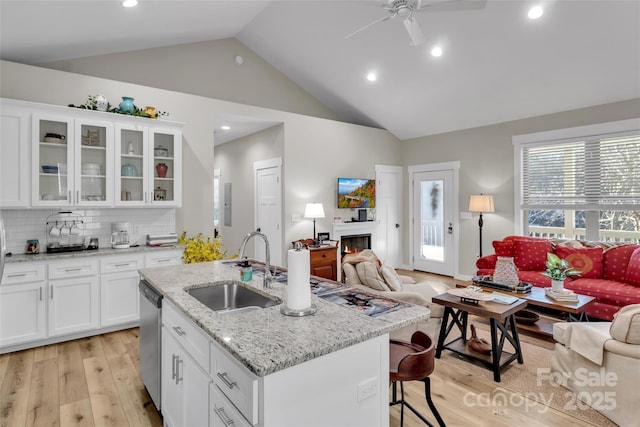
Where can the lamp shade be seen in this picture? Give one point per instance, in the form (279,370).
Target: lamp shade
(314,210)
(481,203)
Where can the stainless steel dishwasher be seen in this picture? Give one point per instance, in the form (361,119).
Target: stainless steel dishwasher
(150,339)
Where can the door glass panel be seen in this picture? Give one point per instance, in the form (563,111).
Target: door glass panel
(131,171)
(432,220)
(52,155)
(163,167)
(93,163)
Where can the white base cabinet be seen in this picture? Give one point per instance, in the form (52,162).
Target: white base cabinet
(23,304)
(119,296)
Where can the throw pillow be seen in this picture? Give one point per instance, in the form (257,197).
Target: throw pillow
(633,269)
(587,260)
(503,247)
(616,261)
(391,277)
(370,276)
(626,324)
(531,255)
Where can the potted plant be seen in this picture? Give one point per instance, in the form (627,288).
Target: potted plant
(558,270)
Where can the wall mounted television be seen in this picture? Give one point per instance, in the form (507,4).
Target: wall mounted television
(356,193)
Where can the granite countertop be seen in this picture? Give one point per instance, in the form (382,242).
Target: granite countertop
(264,340)
(45,257)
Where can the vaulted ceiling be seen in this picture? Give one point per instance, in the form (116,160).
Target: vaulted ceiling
(497,64)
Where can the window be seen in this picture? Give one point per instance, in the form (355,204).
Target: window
(580,183)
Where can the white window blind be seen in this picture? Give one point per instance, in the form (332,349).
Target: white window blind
(594,174)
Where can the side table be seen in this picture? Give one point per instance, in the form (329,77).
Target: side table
(501,318)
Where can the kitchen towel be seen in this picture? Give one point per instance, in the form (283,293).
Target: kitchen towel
(298,285)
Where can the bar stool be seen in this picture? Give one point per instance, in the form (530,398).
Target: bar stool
(413,361)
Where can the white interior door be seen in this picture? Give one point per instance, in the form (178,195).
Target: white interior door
(269,209)
(433,242)
(389,214)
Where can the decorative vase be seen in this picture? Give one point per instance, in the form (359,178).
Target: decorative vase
(151,111)
(506,272)
(101,102)
(126,106)
(557,285)
(161,169)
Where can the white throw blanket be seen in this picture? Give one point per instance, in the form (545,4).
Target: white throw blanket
(587,341)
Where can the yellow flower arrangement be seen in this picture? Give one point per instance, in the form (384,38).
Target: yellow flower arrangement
(197,249)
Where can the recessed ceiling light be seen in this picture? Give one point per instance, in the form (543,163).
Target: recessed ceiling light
(372,77)
(225,127)
(130,3)
(535,12)
(436,51)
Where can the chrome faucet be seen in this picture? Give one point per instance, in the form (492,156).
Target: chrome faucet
(268,278)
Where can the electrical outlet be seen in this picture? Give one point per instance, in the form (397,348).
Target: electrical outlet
(367,389)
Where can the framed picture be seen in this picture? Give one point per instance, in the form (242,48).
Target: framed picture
(322,237)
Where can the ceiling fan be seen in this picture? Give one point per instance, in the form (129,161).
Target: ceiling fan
(407,9)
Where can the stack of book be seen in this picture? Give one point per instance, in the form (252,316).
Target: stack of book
(564,295)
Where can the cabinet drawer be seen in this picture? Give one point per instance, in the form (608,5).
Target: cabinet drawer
(25,272)
(235,381)
(323,256)
(163,257)
(76,268)
(190,337)
(112,264)
(222,412)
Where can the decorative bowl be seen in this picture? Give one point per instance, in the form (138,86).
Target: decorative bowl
(160,151)
(527,317)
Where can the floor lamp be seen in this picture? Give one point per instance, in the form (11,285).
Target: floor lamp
(314,210)
(481,203)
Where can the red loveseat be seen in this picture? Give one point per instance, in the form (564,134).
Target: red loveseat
(611,273)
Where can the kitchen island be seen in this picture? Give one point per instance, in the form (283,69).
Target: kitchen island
(330,368)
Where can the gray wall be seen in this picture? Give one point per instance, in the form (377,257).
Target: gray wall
(207,69)
(486,158)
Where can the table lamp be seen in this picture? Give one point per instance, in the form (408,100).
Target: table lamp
(482,203)
(314,210)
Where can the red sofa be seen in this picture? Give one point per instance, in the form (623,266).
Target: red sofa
(611,273)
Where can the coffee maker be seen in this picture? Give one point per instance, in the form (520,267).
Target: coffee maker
(120,235)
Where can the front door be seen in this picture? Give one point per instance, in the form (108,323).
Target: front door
(433,221)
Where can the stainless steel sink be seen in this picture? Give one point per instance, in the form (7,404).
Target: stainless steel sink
(231,297)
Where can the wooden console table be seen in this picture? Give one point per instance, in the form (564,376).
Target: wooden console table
(501,318)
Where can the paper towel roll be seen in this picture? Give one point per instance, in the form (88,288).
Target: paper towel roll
(298,285)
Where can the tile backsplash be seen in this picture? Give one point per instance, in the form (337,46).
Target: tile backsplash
(26,224)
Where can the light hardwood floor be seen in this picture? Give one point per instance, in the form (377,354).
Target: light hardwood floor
(95,382)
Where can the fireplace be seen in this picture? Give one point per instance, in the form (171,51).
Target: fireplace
(355,243)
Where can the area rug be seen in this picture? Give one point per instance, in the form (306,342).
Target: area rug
(531,380)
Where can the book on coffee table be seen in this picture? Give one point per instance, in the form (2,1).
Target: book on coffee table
(565,295)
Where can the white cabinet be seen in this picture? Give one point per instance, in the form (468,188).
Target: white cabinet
(74,293)
(72,160)
(163,258)
(15,168)
(22,304)
(119,296)
(148,165)
(185,384)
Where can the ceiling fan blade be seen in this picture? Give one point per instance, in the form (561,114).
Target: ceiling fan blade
(452,5)
(386,18)
(414,30)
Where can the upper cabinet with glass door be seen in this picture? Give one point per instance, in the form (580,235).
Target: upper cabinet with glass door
(72,161)
(148,166)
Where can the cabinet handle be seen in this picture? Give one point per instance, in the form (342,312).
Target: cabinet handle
(122,265)
(68,270)
(40,293)
(173,366)
(16,275)
(223,417)
(225,380)
(78,196)
(51,292)
(163,260)
(178,378)
(179,330)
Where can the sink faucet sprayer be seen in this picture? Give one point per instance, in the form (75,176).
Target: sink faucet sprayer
(268,278)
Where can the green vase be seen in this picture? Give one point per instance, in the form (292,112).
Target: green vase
(126,106)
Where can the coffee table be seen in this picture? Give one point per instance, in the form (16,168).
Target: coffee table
(569,311)
(501,318)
